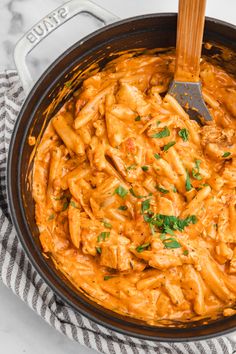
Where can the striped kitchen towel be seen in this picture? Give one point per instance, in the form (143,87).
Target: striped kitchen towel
(19,275)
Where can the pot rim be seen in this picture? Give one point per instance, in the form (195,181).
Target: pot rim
(44,273)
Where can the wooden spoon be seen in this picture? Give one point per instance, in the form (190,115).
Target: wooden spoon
(186,87)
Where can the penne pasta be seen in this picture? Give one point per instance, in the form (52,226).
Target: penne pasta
(89,111)
(192,126)
(72,140)
(74,223)
(196,202)
(209,99)
(56,155)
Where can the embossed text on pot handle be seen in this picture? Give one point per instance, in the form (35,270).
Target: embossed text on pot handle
(47,25)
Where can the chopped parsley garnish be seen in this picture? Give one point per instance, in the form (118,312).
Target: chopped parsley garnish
(145,205)
(137,119)
(162,190)
(65,206)
(131,167)
(123,207)
(171,243)
(169,231)
(162,134)
(148,216)
(72,203)
(195,170)
(103,236)
(157,156)
(51,217)
(183,133)
(162,237)
(138,196)
(158,122)
(152,229)
(99,250)
(167,224)
(188,185)
(174,189)
(144,168)
(226,154)
(167,146)
(143,247)
(59,198)
(107,277)
(191,219)
(186,252)
(121,191)
(68,84)
(197,164)
(107,224)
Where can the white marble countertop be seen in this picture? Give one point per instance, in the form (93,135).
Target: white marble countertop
(22,331)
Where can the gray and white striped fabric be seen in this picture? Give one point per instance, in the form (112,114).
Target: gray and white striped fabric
(19,275)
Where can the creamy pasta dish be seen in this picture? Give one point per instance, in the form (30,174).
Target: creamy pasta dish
(135,202)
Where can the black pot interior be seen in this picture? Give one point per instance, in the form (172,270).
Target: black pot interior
(149,31)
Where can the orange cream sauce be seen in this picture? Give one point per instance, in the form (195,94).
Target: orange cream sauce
(135,202)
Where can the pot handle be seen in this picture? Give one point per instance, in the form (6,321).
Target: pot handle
(47,25)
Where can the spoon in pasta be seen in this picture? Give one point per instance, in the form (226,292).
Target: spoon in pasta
(186,86)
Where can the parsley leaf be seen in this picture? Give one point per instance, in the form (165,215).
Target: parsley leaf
(196,175)
(137,119)
(123,207)
(183,133)
(167,146)
(188,185)
(174,189)
(171,243)
(152,229)
(191,219)
(131,167)
(168,230)
(157,156)
(107,224)
(226,154)
(145,205)
(197,164)
(143,247)
(121,191)
(51,217)
(99,250)
(162,190)
(59,198)
(68,84)
(103,236)
(195,170)
(148,216)
(162,237)
(138,196)
(65,206)
(162,134)
(144,168)
(72,203)
(186,252)
(107,277)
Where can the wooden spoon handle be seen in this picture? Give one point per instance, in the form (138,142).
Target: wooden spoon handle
(191,18)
